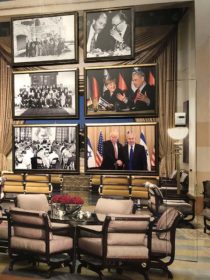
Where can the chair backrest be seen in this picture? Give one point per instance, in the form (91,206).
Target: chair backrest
(114,206)
(155,199)
(168,222)
(37,202)
(206,189)
(29,224)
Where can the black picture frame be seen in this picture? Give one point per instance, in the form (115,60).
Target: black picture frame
(45,39)
(104,86)
(44,148)
(109,34)
(99,151)
(45,94)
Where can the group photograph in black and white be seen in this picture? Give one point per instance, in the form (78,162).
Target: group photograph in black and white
(46,147)
(45,94)
(121,91)
(109,34)
(45,39)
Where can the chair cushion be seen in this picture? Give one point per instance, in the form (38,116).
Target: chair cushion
(4,230)
(94,246)
(166,221)
(206,213)
(126,239)
(57,244)
(37,202)
(162,246)
(117,206)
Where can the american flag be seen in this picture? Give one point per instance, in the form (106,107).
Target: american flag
(153,158)
(99,152)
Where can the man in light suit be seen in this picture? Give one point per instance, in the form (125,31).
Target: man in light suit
(112,153)
(134,154)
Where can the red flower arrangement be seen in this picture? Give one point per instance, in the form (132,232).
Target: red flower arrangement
(67,199)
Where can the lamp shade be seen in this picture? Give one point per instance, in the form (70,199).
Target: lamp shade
(178,133)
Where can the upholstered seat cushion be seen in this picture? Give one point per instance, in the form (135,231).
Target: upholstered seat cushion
(126,239)
(94,246)
(206,213)
(183,207)
(57,244)
(57,226)
(4,230)
(162,246)
(117,206)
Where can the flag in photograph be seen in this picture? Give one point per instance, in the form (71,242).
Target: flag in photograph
(144,143)
(91,162)
(151,79)
(99,153)
(106,77)
(121,83)
(153,158)
(95,89)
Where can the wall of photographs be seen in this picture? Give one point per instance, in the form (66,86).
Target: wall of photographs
(113,92)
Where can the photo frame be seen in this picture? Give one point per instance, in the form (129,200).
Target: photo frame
(45,94)
(116,91)
(109,34)
(45,39)
(46,148)
(102,157)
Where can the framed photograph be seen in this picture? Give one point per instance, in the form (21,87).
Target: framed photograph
(46,148)
(109,34)
(41,40)
(130,148)
(45,94)
(121,91)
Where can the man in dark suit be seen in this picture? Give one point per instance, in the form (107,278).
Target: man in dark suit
(112,153)
(134,154)
(95,36)
(144,96)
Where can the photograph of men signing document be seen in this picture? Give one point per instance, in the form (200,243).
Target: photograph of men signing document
(130,148)
(121,91)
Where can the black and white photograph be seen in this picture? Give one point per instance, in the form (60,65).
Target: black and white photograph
(44,39)
(121,148)
(109,34)
(48,148)
(118,91)
(45,94)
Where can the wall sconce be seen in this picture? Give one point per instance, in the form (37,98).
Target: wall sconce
(178,133)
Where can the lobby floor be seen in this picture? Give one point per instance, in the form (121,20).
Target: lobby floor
(192,260)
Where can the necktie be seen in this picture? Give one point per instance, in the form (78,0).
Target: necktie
(130,167)
(93,43)
(115,151)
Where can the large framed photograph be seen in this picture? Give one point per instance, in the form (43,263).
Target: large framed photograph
(129,148)
(47,39)
(121,91)
(45,94)
(109,34)
(46,148)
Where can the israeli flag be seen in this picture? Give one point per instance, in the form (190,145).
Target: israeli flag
(91,162)
(144,143)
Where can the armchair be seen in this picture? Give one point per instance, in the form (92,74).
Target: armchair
(206,210)
(33,240)
(163,240)
(39,202)
(157,205)
(120,241)
(3,232)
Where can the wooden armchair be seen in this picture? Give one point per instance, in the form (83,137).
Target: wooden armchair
(3,232)
(122,240)
(163,240)
(206,206)
(157,205)
(33,240)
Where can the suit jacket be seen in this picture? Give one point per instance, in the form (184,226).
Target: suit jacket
(100,42)
(139,158)
(109,160)
(140,105)
(111,43)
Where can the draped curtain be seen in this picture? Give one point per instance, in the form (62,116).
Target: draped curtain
(152,44)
